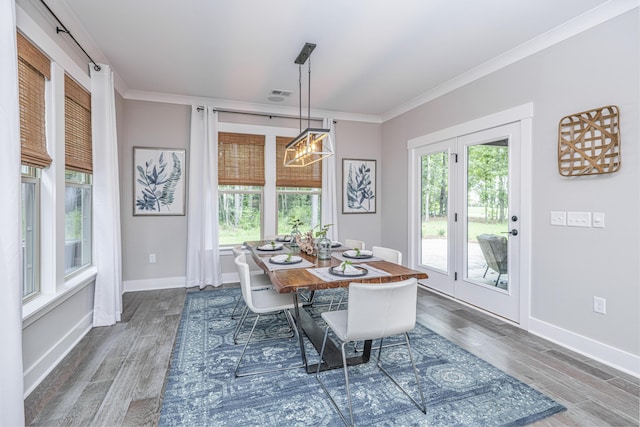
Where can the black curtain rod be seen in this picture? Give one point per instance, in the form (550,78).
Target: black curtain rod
(65,30)
(256,114)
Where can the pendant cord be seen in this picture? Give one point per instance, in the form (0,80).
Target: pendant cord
(300,95)
(309,98)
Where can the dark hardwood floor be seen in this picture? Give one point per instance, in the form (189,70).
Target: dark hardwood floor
(115,375)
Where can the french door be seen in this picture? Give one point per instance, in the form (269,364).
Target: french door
(469,218)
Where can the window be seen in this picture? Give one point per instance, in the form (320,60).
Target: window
(78,170)
(77,221)
(30,225)
(300,203)
(240,214)
(33,73)
(240,187)
(298,190)
(244,195)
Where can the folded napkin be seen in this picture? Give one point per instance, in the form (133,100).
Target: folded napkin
(335,244)
(270,247)
(348,269)
(352,253)
(283,258)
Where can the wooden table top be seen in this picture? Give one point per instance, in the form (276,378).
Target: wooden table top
(297,279)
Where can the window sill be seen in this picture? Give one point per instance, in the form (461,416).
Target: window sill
(44,303)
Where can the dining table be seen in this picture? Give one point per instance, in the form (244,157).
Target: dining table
(308,275)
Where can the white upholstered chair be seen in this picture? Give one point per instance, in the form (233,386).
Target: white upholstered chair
(387,254)
(259,280)
(267,301)
(353,244)
(374,311)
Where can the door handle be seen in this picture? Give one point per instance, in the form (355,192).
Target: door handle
(513,232)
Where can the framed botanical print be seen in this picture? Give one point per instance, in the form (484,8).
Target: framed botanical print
(158,181)
(358,186)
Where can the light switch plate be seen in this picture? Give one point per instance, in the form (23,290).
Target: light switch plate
(558,218)
(579,219)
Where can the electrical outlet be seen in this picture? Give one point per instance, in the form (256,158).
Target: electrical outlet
(152,258)
(600,305)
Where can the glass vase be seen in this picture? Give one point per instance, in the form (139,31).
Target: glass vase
(295,233)
(324,248)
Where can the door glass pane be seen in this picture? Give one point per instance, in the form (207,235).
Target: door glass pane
(434,210)
(487,213)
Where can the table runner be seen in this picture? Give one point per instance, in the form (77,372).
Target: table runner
(340,257)
(273,267)
(323,273)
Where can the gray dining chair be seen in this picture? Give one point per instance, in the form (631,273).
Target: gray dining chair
(374,311)
(264,302)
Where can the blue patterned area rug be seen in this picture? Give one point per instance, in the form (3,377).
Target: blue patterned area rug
(201,390)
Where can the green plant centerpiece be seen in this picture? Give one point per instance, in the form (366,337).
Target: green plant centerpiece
(295,231)
(323,243)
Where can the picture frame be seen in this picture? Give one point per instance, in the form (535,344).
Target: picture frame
(358,186)
(159,181)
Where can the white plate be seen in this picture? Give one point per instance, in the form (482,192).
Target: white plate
(270,247)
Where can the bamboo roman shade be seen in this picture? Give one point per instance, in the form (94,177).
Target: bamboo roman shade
(308,176)
(240,159)
(34,68)
(77,127)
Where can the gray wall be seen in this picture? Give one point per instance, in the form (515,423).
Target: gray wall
(150,124)
(153,124)
(569,265)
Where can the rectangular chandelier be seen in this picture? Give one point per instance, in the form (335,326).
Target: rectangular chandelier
(310,146)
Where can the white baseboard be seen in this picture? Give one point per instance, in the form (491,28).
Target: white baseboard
(603,353)
(168,283)
(34,374)
(154,284)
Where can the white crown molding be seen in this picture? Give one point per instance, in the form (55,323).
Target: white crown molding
(244,107)
(587,20)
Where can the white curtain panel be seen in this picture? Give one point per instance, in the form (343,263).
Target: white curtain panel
(107,305)
(329,185)
(203,257)
(11,383)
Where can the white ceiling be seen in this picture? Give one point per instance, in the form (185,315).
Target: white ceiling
(373,57)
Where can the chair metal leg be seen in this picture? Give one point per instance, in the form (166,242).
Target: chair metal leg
(243,317)
(422,407)
(346,380)
(235,307)
(244,349)
(245,314)
(324,387)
